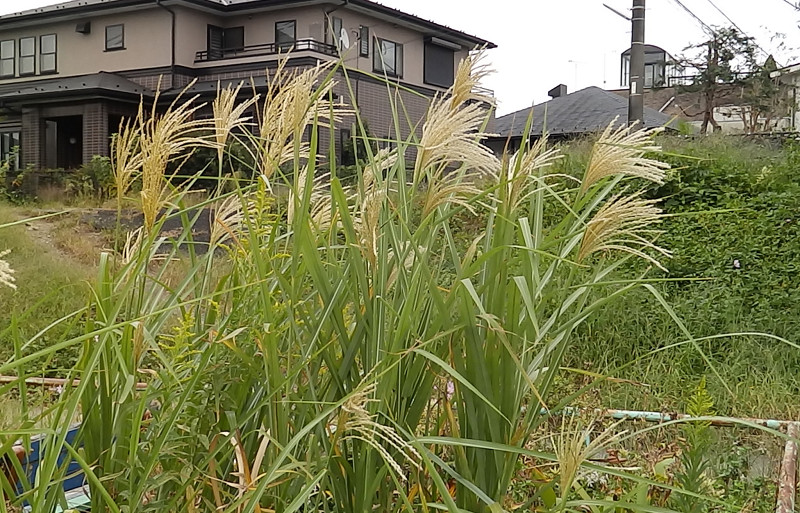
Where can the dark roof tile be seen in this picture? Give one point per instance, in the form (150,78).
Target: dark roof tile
(585,111)
(96,83)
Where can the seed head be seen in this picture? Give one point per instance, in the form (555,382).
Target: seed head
(622,224)
(6,272)
(622,151)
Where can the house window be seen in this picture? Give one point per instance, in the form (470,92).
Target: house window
(285,34)
(233,38)
(388,57)
(363,41)
(7,54)
(224,41)
(9,149)
(115,37)
(439,65)
(27,56)
(347,147)
(335,29)
(47,53)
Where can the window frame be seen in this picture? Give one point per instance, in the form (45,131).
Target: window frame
(379,64)
(6,152)
(285,45)
(32,56)
(42,55)
(431,51)
(226,36)
(334,34)
(363,41)
(13,58)
(122,38)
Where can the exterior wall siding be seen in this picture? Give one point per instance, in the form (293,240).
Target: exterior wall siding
(150,61)
(147,44)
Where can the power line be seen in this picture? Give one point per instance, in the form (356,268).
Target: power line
(726,17)
(711,30)
(693,15)
(794,6)
(737,27)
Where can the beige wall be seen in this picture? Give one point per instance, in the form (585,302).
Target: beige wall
(147,44)
(148,41)
(191,34)
(260,29)
(412,41)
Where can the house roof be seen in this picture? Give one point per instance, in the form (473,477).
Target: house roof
(787,70)
(585,111)
(91,7)
(96,84)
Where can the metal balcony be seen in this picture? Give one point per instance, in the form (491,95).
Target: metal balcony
(267,49)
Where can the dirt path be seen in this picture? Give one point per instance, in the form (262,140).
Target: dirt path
(74,241)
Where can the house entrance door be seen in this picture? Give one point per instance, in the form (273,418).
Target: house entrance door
(64,142)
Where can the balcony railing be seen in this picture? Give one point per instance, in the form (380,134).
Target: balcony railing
(301,45)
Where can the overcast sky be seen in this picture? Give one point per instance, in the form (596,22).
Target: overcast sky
(542,43)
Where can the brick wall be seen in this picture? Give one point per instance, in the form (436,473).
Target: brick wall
(95,131)
(32,138)
(152,82)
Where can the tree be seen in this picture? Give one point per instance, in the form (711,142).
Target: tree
(764,99)
(727,58)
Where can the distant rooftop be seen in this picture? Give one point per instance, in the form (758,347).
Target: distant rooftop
(586,111)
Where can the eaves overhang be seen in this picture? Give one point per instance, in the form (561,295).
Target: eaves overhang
(81,9)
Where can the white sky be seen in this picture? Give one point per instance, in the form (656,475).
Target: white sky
(542,43)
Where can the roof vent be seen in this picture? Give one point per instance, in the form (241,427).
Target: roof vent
(558,91)
(84,27)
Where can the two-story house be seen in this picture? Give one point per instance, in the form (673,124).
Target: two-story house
(70,72)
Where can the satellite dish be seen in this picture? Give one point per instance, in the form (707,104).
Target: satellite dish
(344,39)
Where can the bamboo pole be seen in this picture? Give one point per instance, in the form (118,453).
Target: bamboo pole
(787,485)
(51,382)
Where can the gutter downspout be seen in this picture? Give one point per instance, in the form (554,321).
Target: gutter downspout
(172,37)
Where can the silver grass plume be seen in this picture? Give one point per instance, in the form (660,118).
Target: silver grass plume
(622,151)
(294,100)
(6,272)
(163,138)
(229,115)
(373,194)
(623,224)
(358,424)
(524,166)
(572,450)
(451,138)
(227,218)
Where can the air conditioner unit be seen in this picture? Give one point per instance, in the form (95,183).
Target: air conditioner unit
(84,27)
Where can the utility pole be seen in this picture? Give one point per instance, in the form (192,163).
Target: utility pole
(636,92)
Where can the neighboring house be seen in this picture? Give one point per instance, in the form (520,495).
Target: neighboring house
(567,116)
(70,72)
(790,76)
(667,89)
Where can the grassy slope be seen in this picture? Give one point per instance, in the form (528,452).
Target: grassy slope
(760,296)
(750,255)
(50,283)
